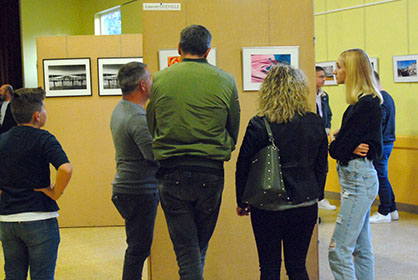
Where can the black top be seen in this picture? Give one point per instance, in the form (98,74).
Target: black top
(388,118)
(303,145)
(362,123)
(25,155)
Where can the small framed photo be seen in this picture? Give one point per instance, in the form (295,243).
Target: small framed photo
(171,56)
(67,77)
(405,68)
(107,71)
(329,68)
(257,61)
(375,64)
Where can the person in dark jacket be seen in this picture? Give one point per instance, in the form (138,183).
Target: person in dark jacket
(6,118)
(324,111)
(303,144)
(357,143)
(387,211)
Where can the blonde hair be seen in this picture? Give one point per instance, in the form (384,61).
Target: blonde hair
(283,94)
(359,79)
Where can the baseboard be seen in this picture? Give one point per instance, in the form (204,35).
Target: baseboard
(401,206)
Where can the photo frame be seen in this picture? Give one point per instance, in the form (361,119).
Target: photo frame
(169,57)
(67,77)
(405,68)
(107,71)
(329,67)
(375,64)
(257,61)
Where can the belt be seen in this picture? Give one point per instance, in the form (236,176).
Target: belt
(345,162)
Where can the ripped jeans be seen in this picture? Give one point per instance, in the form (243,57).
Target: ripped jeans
(351,251)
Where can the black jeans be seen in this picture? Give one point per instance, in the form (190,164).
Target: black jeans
(294,227)
(191,202)
(139,212)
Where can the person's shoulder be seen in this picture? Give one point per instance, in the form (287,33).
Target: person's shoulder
(387,98)
(311,118)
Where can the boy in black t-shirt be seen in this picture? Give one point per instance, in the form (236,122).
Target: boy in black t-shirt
(28,210)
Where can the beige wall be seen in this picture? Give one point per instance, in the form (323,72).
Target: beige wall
(81,124)
(234,24)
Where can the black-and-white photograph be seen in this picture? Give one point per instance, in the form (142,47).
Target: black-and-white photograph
(67,77)
(405,68)
(108,71)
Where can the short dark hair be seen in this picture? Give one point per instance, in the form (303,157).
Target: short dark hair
(195,40)
(319,68)
(9,89)
(25,102)
(130,76)
(376,75)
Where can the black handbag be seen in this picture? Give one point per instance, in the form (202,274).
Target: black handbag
(265,186)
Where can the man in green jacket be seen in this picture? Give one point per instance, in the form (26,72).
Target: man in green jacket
(193,116)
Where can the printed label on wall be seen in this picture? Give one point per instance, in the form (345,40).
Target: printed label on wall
(162,6)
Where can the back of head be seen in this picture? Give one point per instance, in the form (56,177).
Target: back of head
(130,76)
(7,92)
(283,94)
(25,102)
(359,79)
(195,40)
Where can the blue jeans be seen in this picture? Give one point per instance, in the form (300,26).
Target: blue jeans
(30,245)
(352,235)
(139,212)
(294,228)
(386,195)
(191,202)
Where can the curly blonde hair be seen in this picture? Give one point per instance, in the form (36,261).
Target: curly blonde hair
(283,94)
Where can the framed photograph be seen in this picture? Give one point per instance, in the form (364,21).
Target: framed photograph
(257,61)
(171,56)
(375,64)
(405,68)
(67,77)
(107,71)
(329,68)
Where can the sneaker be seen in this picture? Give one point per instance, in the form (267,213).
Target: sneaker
(378,218)
(394,215)
(325,205)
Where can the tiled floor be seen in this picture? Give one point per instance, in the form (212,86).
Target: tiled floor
(395,246)
(97,253)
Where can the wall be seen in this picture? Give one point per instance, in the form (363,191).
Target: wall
(383,31)
(45,18)
(234,24)
(67,17)
(81,124)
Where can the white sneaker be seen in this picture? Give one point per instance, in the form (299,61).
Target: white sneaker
(394,215)
(325,205)
(378,218)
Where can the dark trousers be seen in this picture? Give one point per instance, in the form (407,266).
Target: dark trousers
(386,195)
(294,227)
(139,212)
(191,202)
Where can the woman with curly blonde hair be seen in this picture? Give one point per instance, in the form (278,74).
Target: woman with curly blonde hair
(357,143)
(303,146)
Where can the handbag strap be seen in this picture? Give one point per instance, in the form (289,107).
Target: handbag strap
(270,134)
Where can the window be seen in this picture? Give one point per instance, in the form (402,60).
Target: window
(108,22)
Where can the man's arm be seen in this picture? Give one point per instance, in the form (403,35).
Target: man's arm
(232,125)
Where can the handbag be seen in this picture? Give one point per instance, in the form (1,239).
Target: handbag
(265,186)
